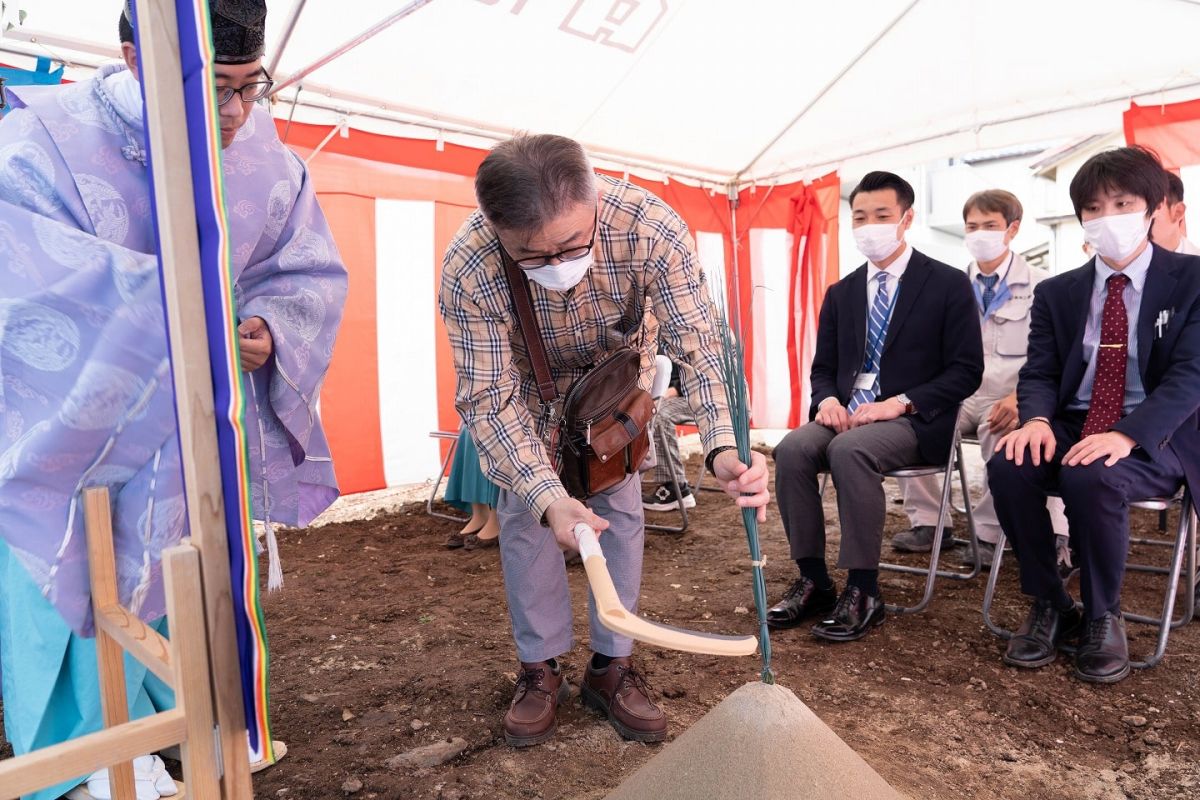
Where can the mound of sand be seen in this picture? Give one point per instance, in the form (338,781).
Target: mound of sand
(761,742)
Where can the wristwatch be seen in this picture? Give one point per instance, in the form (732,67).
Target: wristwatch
(909,408)
(712,456)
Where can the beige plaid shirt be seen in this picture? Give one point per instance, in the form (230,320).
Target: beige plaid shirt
(645,282)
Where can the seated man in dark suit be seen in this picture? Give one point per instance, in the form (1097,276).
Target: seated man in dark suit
(898,349)
(1107,399)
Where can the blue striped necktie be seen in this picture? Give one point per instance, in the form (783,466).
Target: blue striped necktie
(989,289)
(876,332)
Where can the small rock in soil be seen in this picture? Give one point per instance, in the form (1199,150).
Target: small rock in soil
(416,724)
(352,785)
(1134,720)
(428,756)
(1152,738)
(674,692)
(347,715)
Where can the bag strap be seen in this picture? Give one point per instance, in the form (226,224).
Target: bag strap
(518,288)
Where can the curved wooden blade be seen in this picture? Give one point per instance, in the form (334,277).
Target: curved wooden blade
(618,619)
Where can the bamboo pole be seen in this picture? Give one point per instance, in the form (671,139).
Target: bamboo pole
(162,79)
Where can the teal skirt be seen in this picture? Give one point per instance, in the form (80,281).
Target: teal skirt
(467,483)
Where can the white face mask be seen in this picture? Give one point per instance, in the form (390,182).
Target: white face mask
(1117,236)
(877,242)
(563,276)
(986,245)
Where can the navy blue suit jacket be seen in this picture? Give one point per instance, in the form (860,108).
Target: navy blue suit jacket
(1168,360)
(933,351)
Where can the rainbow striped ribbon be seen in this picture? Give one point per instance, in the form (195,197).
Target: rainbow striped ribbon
(204,146)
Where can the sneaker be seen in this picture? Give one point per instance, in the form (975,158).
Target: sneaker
(920,539)
(663,498)
(987,552)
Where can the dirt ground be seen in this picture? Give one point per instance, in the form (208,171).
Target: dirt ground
(382,641)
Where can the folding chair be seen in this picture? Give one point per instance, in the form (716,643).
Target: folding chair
(662,379)
(954,463)
(1184,545)
(453,439)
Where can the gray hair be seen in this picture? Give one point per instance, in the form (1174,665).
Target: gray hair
(527,181)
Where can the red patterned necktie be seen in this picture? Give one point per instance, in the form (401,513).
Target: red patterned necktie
(1108,386)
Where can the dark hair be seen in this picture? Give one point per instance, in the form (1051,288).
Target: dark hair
(1174,189)
(124,29)
(1135,170)
(527,181)
(877,181)
(995,201)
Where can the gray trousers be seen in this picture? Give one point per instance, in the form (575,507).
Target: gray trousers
(535,573)
(857,459)
(672,411)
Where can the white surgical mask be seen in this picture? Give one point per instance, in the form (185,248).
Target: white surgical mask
(562,276)
(877,242)
(1116,236)
(986,245)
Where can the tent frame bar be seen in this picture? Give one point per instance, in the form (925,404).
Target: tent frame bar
(840,159)
(346,47)
(375,108)
(288,29)
(828,87)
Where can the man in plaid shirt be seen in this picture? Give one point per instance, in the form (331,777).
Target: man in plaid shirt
(609,265)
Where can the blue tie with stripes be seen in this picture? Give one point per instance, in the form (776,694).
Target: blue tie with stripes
(989,290)
(876,332)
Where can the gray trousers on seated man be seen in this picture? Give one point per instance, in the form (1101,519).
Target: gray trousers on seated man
(529,556)
(857,460)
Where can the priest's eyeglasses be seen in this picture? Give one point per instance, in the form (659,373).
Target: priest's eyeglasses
(250,93)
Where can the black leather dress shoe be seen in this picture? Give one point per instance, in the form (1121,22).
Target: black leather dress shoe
(1103,655)
(802,599)
(856,613)
(1035,643)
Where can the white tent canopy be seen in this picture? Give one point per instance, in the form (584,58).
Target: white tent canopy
(705,90)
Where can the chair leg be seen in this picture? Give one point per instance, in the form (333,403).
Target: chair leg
(970,513)
(931,572)
(989,593)
(1182,541)
(437,485)
(660,435)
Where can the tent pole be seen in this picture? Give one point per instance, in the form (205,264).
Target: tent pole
(346,47)
(288,29)
(334,131)
(829,86)
(291,113)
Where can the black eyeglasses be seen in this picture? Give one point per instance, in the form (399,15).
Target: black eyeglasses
(570,254)
(250,93)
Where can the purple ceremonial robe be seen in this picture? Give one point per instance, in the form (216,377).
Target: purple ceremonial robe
(85,386)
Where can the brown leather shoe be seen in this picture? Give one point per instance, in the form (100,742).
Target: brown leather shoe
(621,693)
(531,716)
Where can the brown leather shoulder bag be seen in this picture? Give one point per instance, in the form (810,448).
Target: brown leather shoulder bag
(603,427)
